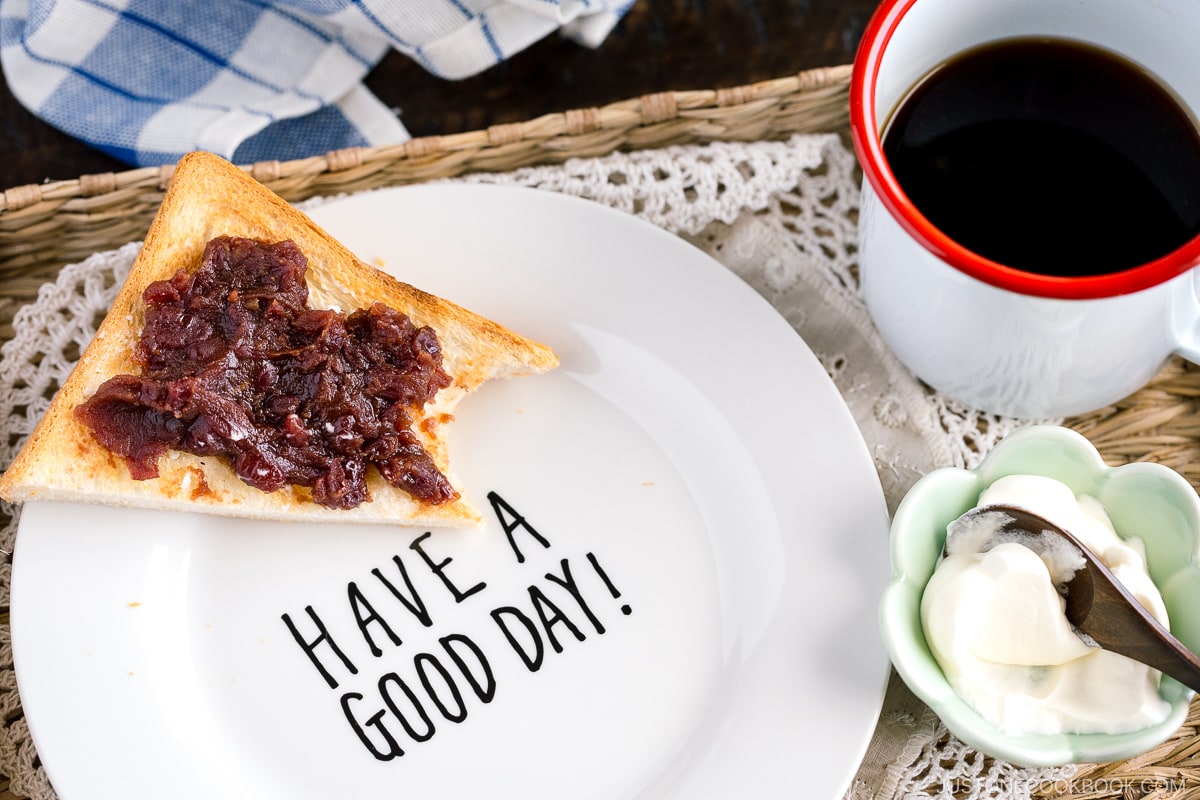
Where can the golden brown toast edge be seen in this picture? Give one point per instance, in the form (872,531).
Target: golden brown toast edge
(208,197)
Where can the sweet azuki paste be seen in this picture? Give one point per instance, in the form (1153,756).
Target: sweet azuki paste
(235,364)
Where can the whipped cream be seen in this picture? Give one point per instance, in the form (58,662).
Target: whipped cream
(997,627)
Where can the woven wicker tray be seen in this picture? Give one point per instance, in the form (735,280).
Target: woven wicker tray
(45,226)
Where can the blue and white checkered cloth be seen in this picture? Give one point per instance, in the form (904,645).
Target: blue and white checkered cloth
(149,80)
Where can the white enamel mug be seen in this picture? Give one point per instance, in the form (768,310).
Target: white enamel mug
(996,338)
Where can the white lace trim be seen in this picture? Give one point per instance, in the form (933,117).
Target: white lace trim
(782,216)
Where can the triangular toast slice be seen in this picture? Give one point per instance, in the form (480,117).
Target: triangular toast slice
(208,197)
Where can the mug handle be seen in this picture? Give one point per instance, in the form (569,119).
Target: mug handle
(1187,340)
(1189,347)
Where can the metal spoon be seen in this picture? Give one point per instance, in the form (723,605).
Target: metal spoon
(1099,607)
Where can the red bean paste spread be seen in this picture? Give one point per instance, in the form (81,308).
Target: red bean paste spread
(235,364)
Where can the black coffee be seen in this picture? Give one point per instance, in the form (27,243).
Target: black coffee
(1050,157)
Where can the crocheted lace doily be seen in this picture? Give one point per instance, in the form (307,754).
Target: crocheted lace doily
(779,214)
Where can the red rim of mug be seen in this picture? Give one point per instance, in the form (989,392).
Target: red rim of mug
(864,126)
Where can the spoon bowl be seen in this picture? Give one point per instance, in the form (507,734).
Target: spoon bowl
(1102,611)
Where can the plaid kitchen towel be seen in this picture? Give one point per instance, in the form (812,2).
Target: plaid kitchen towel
(149,80)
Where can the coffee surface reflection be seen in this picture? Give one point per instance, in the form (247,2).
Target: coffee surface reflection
(1049,156)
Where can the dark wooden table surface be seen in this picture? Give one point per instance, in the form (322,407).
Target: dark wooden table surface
(660,45)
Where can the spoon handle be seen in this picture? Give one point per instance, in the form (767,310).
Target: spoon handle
(1125,627)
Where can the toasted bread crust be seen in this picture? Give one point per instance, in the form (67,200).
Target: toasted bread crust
(209,197)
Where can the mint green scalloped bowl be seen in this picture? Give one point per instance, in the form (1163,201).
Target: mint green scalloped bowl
(1146,500)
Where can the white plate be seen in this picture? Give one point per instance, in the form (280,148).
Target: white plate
(690,445)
